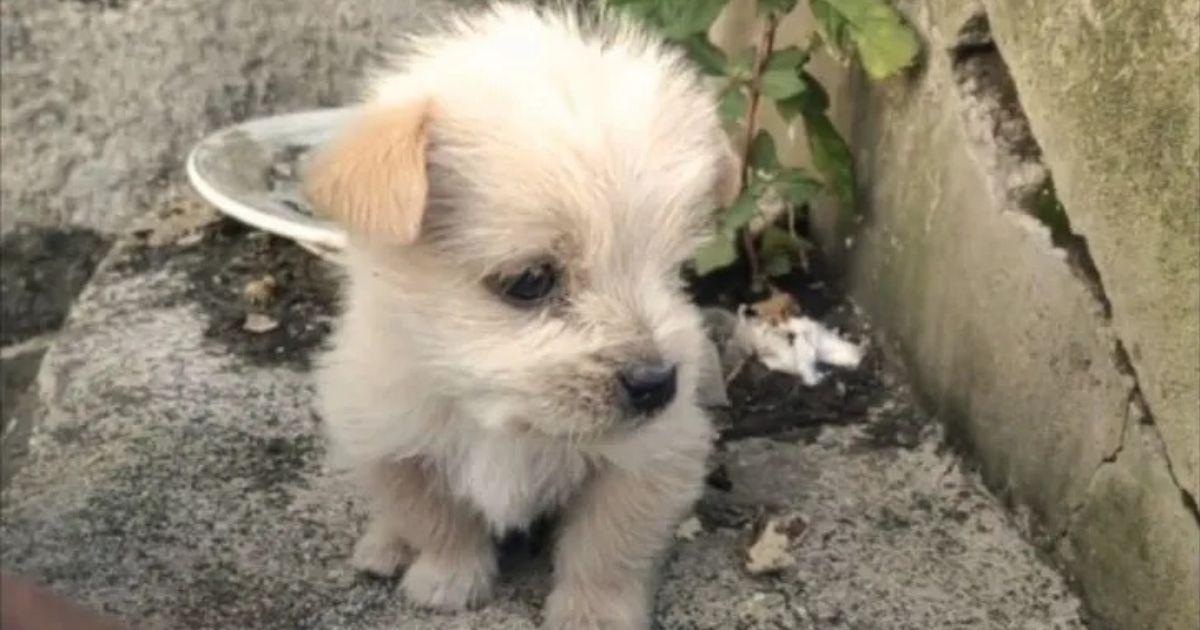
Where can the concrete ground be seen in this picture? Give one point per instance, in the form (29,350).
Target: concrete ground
(164,464)
(174,477)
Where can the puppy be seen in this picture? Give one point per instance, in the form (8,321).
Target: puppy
(521,190)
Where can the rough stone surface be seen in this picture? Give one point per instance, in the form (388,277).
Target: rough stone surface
(42,270)
(1132,527)
(178,483)
(1011,348)
(103,100)
(1112,90)
(1013,337)
(18,371)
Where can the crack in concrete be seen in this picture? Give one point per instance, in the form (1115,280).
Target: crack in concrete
(995,119)
(1134,410)
(33,344)
(1137,400)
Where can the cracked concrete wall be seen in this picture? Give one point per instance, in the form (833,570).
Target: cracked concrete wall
(1112,90)
(1066,359)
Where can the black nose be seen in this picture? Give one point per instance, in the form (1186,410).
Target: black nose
(649,386)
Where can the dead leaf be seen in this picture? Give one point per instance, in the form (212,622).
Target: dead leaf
(259,292)
(689,529)
(188,240)
(777,309)
(769,551)
(258,323)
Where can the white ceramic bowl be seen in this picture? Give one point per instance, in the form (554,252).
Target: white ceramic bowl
(250,171)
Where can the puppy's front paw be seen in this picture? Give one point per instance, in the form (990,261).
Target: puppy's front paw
(584,608)
(449,585)
(380,553)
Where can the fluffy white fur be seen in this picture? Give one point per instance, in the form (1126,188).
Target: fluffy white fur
(514,135)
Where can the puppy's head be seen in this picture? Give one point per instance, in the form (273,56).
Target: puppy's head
(521,192)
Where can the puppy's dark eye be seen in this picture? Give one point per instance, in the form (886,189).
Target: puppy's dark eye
(530,287)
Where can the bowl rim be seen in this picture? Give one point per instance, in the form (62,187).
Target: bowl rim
(321,235)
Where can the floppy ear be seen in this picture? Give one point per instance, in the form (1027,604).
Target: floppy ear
(729,176)
(372,178)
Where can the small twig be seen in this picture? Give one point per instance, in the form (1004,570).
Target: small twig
(751,257)
(766,42)
(737,369)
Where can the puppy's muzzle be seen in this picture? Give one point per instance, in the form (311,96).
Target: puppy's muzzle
(648,387)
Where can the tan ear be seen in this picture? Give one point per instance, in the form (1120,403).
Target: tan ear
(372,178)
(729,177)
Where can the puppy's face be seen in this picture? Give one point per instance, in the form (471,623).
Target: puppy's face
(527,247)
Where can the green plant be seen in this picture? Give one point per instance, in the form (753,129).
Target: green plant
(869,30)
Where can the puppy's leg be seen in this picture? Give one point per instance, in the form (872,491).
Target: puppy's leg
(380,551)
(612,540)
(453,561)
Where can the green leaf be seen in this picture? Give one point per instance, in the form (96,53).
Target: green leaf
(631,5)
(738,215)
(885,44)
(831,156)
(741,65)
(775,264)
(757,187)
(781,83)
(779,249)
(717,253)
(886,48)
(813,98)
(796,186)
(778,7)
(762,152)
(790,58)
(644,10)
(710,59)
(833,26)
(816,98)
(789,108)
(681,19)
(733,104)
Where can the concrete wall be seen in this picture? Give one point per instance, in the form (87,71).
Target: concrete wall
(1066,359)
(1113,94)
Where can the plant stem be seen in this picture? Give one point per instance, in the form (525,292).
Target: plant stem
(766,42)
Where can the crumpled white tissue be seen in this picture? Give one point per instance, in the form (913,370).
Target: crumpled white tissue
(799,346)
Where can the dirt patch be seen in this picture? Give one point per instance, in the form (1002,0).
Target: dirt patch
(771,404)
(41,272)
(227,265)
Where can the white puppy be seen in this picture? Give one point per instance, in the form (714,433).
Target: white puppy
(521,190)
